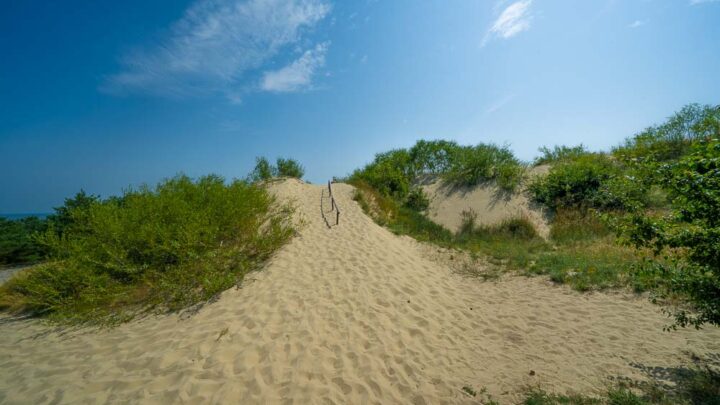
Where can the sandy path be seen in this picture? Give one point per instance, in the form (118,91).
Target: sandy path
(351,314)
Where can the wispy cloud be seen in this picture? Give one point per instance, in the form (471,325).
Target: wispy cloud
(513,20)
(499,103)
(637,24)
(217,47)
(696,2)
(297,75)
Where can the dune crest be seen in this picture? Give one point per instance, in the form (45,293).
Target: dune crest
(351,314)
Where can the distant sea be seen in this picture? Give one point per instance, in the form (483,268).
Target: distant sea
(41,215)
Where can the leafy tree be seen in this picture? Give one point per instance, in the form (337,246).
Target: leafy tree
(290,168)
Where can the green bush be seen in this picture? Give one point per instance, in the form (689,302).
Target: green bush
(167,247)
(560,154)
(263,170)
(391,173)
(590,181)
(290,168)
(672,139)
(283,167)
(417,200)
(473,165)
(433,157)
(693,228)
(63,216)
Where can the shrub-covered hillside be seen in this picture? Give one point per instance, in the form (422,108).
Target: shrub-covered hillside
(658,191)
(163,247)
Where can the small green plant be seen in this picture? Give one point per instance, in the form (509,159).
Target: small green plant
(469,391)
(417,200)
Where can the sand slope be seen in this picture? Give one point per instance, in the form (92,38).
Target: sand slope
(351,314)
(447,202)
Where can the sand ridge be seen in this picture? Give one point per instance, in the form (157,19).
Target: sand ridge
(350,314)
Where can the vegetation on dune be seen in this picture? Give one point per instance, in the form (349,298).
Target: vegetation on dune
(658,191)
(17,243)
(18,238)
(473,165)
(692,227)
(560,153)
(162,248)
(283,167)
(693,386)
(588,181)
(396,173)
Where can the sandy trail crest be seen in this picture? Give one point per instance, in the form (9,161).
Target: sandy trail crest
(351,314)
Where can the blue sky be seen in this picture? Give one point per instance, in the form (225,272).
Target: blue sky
(101,95)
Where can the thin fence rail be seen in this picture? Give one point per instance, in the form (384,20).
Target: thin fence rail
(333,206)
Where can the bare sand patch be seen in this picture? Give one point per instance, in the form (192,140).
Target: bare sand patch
(491,204)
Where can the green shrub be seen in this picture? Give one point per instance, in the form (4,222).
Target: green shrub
(693,228)
(672,139)
(591,181)
(433,157)
(417,200)
(473,165)
(63,216)
(167,247)
(391,173)
(560,154)
(290,168)
(263,170)
(516,227)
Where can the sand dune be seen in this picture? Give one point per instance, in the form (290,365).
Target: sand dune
(447,202)
(351,314)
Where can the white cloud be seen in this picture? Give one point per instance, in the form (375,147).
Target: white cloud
(637,24)
(513,20)
(297,75)
(696,2)
(215,46)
